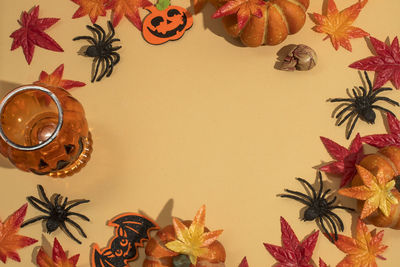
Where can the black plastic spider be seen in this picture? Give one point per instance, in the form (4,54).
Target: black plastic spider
(362,105)
(319,208)
(57,215)
(102,50)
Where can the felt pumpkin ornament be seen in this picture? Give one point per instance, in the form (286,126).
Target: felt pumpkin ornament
(375,187)
(187,243)
(165,22)
(259,22)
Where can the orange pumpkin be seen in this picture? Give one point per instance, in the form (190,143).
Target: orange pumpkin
(385,162)
(158,255)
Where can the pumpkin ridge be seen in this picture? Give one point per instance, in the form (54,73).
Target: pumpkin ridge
(280,11)
(265,27)
(392,164)
(298,4)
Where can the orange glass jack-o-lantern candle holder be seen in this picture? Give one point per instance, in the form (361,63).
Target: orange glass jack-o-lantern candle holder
(43,130)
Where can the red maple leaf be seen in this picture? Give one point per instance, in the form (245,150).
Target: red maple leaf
(346,159)
(93,8)
(293,252)
(244,263)
(55,79)
(128,8)
(32,33)
(390,139)
(10,241)
(386,63)
(322,263)
(58,259)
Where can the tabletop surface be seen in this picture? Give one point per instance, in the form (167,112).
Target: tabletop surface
(202,120)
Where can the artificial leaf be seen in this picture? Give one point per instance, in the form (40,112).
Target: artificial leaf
(242,8)
(386,63)
(322,263)
(362,250)
(32,33)
(55,79)
(163,4)
(346,159)
(58,259)
(293,252)
(244,263)
(10,241)
(93,8)
(199,5)
(338,25)
(376,192)
(128,8)
(390,139)
(192,241)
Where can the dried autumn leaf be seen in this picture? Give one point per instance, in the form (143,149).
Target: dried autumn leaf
(32,33)
(128,8)
(193,241)
(362,250)
(55,79)
(390,139)
(346,159)
(293,252)
(93,8)
(375,192)
(242,8)
(338,25)
(386,63)
(58,259)
(244,263)
(322,263)
(10,241)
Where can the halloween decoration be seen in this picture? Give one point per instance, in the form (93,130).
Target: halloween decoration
(10,240)
(43,130)
(258,22)
(374,187)
(58,259)
(55,79)
(300,57)
(361,105)
(102,50)
(129,9)
(385,63)
(244,263)
(338,25)
(293,252)
(32,33)
(165,22)
(383,140)
(318,206)
(190,239)
(57,214)
(346,159)
(92,8)
(131,230)
(363,249)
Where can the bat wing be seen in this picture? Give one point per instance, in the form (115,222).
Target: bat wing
(102,260)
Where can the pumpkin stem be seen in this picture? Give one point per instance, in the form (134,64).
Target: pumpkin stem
(163,4)
(397,180)
(181,260)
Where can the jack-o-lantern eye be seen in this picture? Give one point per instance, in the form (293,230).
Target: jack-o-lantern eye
(173,12)
(69,148)
(42,164)
(156,21)
(118,252)
(124,242)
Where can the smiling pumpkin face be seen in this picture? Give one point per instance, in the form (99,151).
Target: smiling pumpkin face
(161,26)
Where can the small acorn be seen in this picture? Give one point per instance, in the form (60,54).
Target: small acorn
(300,57)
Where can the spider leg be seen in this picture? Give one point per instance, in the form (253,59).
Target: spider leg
(344,110)
(383,98)
(64,203)
(320,185)
(321,222)
(103,36)
(77,226)
(384,109)
(333,225)
(114,40)
(85,38)
(355,93)
(116,56)
(105,69)
(352,126)
(299,194)
(56,198)
(305,202)
(41,190)
(346,117)
(341,207)
(111,27)
(308,185)
(377,91)
(76,204)
(326,192)
(116,48)
(64,227)
(111,66)
(33,203)
(79,215)
(363,91)
(332,201)
(97,68)
(43,217)
(341,225)
(341,100)
(98,33)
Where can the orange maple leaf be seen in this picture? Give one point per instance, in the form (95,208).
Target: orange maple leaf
(55,79)
(58,259)
(362,250)
(10,241)
(338,25)
(93,8)
(128,8)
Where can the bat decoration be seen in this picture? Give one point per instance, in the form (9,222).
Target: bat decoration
(131,230)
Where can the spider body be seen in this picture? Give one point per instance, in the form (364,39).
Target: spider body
(57,215)
(102,50)
(319,208)
(361,105)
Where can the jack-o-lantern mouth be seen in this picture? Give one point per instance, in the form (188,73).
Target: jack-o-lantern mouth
(157,20)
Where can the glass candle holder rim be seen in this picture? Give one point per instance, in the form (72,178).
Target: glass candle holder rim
(53,135)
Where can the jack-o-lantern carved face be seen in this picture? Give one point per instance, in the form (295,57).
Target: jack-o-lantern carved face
(161,26)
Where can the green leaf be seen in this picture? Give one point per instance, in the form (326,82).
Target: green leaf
(162,4)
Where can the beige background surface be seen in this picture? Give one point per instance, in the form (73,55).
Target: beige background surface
(200,120)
